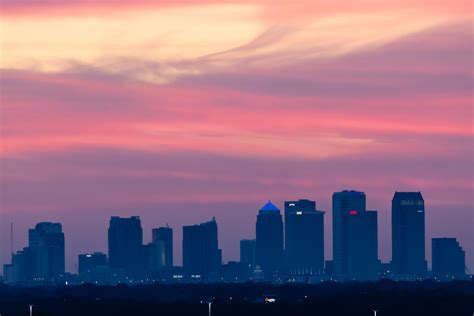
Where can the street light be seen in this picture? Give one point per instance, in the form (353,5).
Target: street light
(210,303)
(31,309)
(375,312)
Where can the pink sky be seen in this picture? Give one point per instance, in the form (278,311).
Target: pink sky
(182,110)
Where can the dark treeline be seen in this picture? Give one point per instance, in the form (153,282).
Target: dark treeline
(388,297)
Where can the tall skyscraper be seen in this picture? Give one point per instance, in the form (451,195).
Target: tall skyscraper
(304,238)
(165,234)
(247,251)
(201,253)
(449,259)
(355,252)
(408,235)
(269,241)
(46,240)
(126,244)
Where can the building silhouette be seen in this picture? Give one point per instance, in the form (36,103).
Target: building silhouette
(354,237)
(269,241)
(247,258)
(247,251)
(46,242)
(448,259)
(126,245)
(22,267)
(408,235)
(201,253)
(90,261)
(164,235)
(154,257)
(304,238)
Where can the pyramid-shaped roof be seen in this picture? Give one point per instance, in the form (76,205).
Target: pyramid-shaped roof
(269,207)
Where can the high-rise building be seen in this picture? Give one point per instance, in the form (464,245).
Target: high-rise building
(126,245)
(304,238)
(46,241)
(355,253)
(269,241)
(89,261)
(449,259)
(408,235)
(165,235)
(247,251)
(201,253)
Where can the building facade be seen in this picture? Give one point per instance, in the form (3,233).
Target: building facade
(269,241)
(355,250)
(408,235)
(165,235)
(304,238)
(47,243)
(201,253)
(449,259)
(126,245)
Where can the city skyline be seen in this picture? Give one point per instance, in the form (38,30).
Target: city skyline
(178,111)
(125,236)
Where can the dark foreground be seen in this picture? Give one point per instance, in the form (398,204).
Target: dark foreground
(389,298)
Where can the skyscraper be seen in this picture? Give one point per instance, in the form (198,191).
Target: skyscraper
(46,241)
(355,250)
(449,259)
(201,253)
(408,234)
(165,234)
(125,244)
(247,251)
(269,241)
(304,238)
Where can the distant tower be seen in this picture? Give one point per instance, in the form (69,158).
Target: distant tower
(354,237)
(449,259)
(304,237)
(247,252)
(126,244)
(269,242)
(408,235)
(165,234)
(201,253)
(46,241)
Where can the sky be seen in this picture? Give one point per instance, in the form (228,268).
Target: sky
(178,111)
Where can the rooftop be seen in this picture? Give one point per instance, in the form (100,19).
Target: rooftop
(269,207)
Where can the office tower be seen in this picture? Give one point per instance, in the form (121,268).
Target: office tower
(46,241)
(355,253)
(269,241)
(89,261)
(247,251)
(304,238)
(408,235)
(125,244)
(165,234)
(201,253)
(449,259)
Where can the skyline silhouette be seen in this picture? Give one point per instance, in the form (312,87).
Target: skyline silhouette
(286,247)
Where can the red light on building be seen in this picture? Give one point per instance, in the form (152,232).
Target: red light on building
(353,212)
